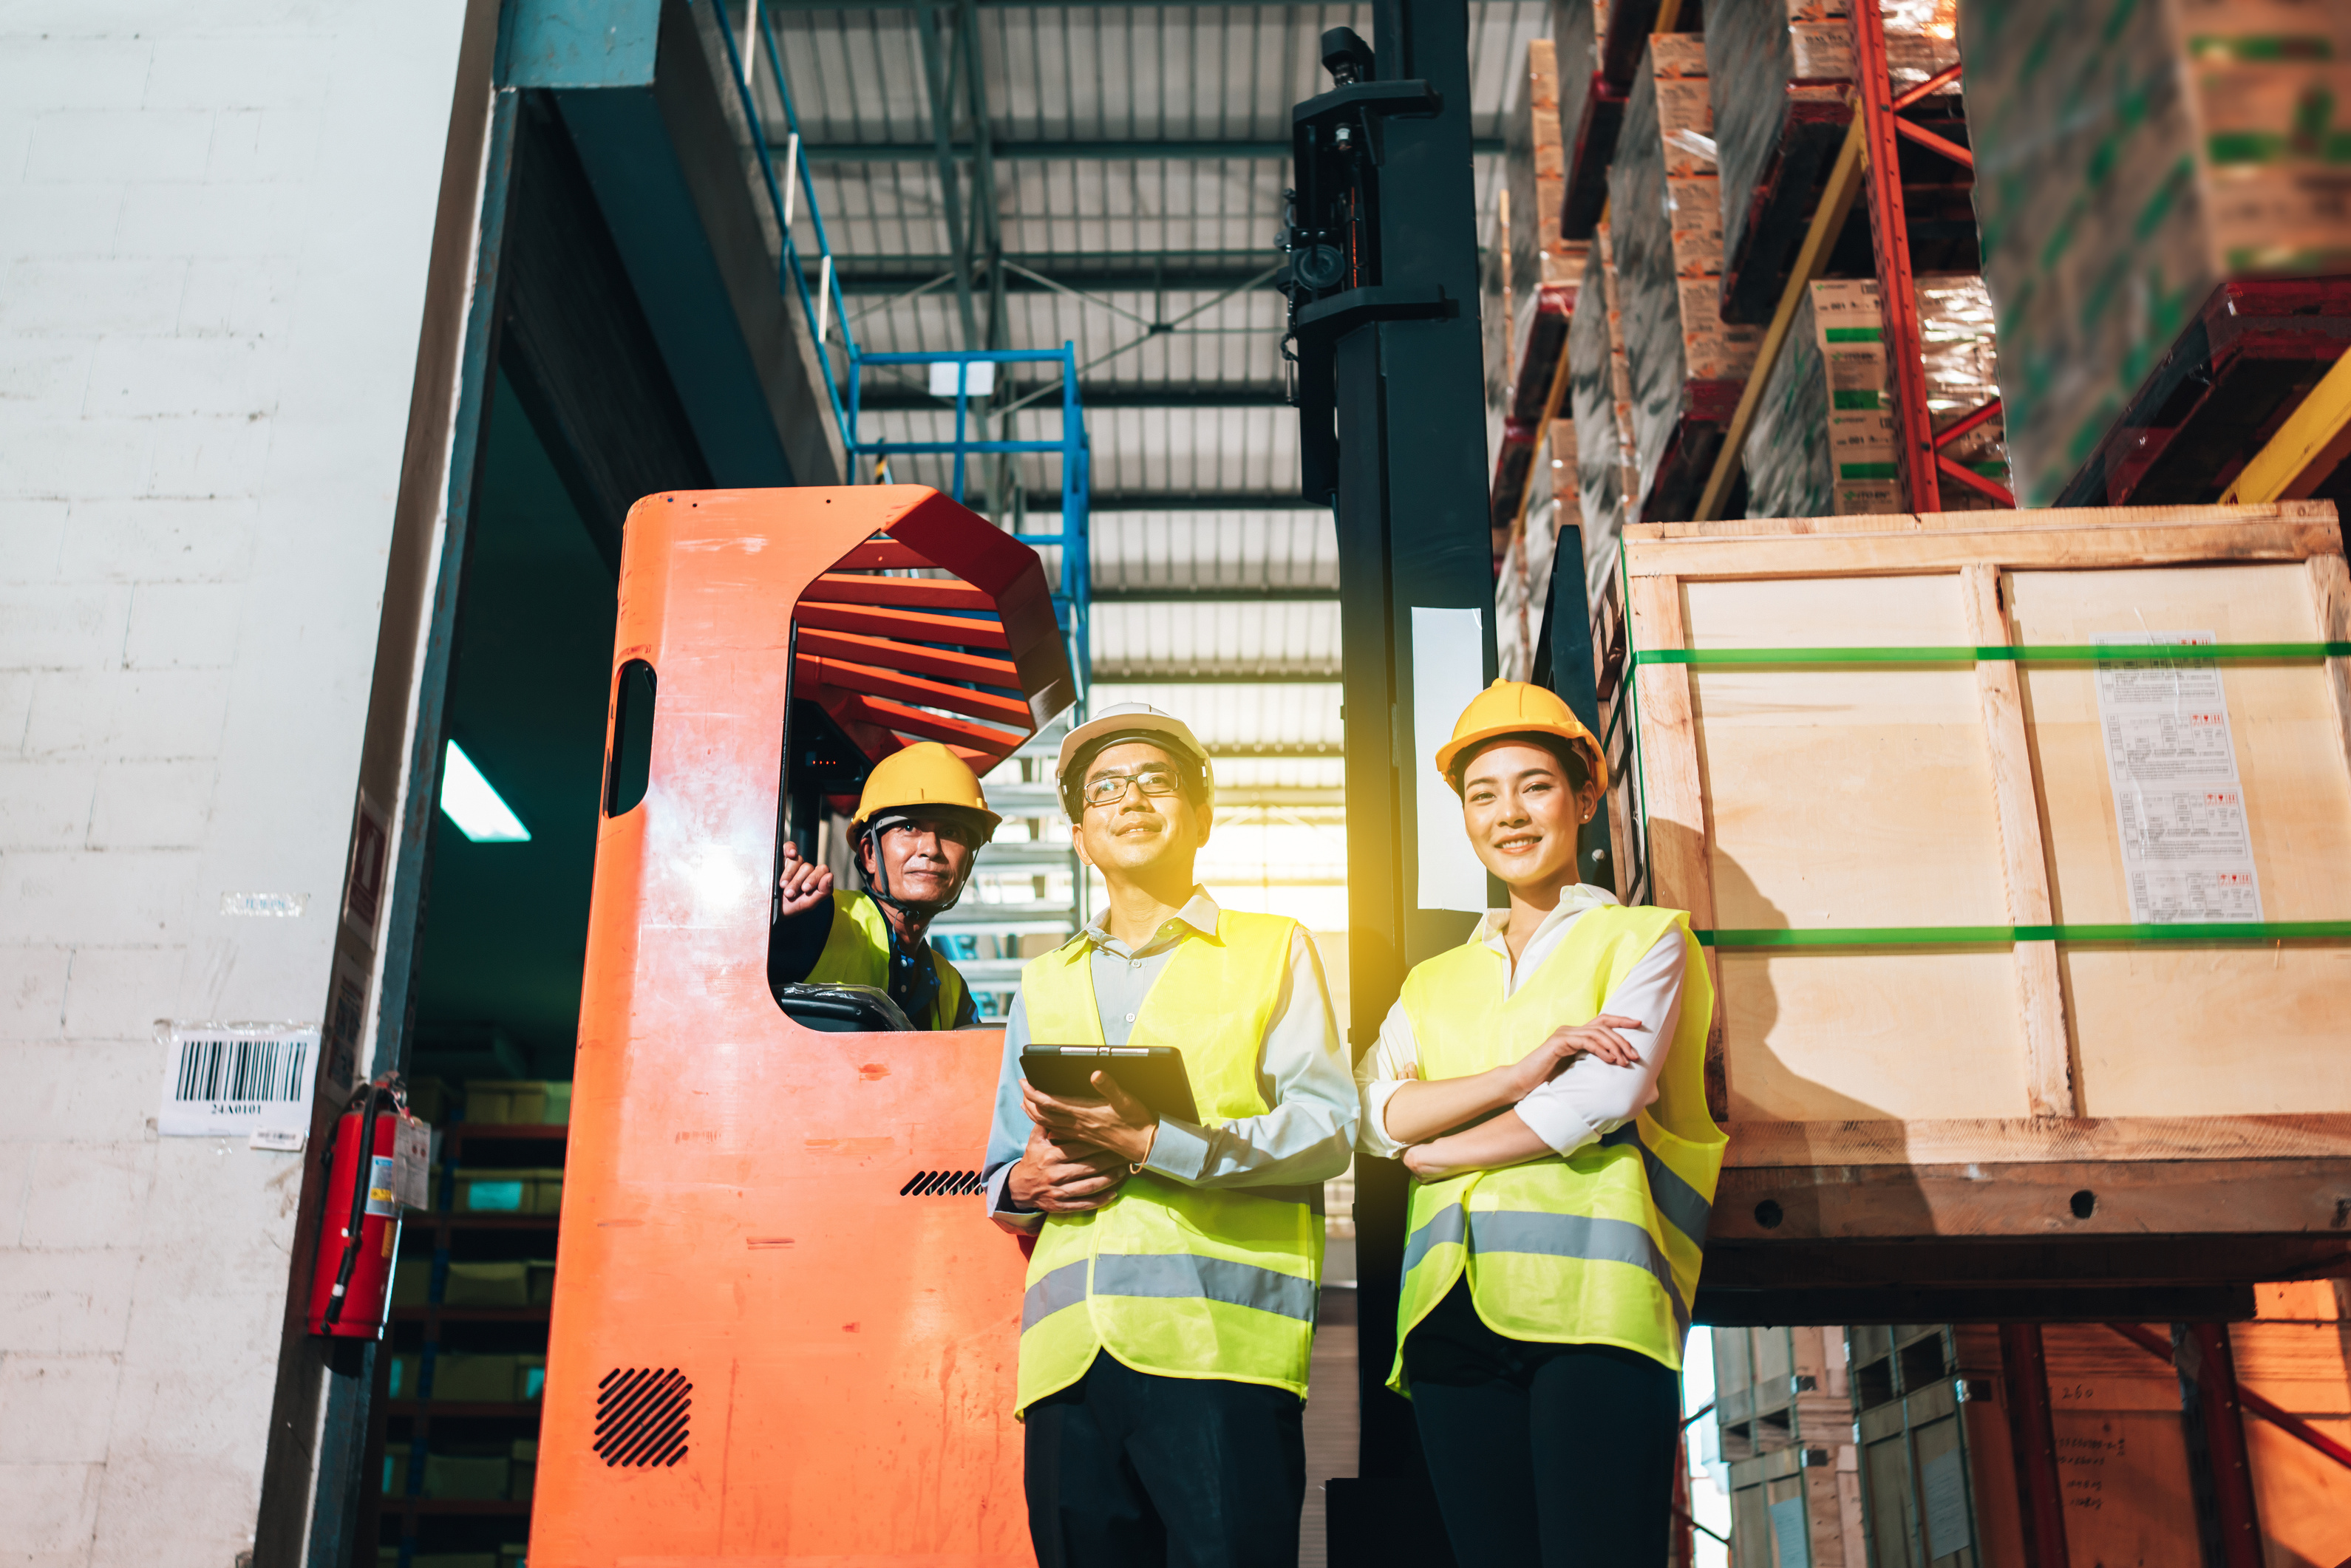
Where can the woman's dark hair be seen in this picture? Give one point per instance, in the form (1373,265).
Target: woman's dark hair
(1571,760)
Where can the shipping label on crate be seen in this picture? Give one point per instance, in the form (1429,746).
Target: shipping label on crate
(2179,808)
(237,1079)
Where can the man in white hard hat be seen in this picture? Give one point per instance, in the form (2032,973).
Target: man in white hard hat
(1171,1295)
(919,826)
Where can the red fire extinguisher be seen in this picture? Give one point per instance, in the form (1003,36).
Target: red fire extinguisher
(350,1284)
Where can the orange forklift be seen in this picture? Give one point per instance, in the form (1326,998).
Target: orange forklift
(783,1330)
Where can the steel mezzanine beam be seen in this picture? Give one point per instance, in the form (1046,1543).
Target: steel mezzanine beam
(1215,593)
(1188,501)
(1138,272)
(887,398)
(1210,676)
(1192,149)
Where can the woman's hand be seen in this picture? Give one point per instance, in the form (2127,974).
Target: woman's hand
(804,883)
(1117,1121)
(1547,1061)
(1059,1178)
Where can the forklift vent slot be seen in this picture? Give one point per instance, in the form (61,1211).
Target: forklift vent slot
(641,1416)
(944,1184)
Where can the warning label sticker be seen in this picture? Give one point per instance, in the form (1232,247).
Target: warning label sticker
(2188,852)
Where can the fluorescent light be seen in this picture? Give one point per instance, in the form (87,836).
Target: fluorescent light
(478,809)
(978,377)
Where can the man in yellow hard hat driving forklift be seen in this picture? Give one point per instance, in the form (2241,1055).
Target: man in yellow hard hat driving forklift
(918,829)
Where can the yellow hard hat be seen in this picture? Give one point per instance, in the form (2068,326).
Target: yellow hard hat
(1516,708)
(923,773)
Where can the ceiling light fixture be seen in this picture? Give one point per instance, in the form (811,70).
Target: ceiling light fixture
(479,812)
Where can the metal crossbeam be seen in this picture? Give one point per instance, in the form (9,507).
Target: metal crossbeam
(1129,148)
(1188,501)
(1209,593)
(1114,394)
(1125,272)
(1208,675)
(2307,448)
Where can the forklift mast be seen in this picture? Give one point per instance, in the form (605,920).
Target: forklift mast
(783,1330)
(1382,287)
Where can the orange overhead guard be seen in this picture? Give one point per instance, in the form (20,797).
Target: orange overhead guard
(784,1330)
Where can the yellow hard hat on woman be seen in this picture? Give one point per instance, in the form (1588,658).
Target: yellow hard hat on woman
(1517,707)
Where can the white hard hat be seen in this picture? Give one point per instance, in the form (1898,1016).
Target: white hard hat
(1131,721)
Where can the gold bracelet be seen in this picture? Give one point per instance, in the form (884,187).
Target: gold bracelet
(1136,1168)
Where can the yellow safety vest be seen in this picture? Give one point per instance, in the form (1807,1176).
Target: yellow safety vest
(1180,1280)
(857,952)
(1602,1246)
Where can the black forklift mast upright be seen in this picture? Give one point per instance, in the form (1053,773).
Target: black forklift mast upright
(1386,366)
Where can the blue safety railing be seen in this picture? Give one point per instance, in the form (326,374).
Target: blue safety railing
(1073,598)
(844,363)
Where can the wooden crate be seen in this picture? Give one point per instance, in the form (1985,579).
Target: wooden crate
(2125,1450)
(1862,843)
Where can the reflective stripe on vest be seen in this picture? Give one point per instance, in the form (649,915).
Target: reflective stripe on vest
(857,952)
(1173,1280)
(1605,1245)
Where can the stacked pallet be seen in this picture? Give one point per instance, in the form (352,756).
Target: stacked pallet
(2135,164)
(1822,443)
(1783,1423)
(1938,1413)
(1522,576)
(1544,272)
(1781,77)
(1600,400)
(1687,365)
(1591,109)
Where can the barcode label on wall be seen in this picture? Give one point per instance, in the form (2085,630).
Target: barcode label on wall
(236,1080)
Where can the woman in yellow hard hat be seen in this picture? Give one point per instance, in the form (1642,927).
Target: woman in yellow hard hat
(918,829)
(1544,1083)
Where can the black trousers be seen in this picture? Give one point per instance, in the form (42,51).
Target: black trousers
(1544,1455)
(1130,1470)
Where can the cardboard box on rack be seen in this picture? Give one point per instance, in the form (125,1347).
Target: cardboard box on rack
(518,1103)
(473,1477)
(486,1285)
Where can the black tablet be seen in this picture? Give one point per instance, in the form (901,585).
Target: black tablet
(1152,1074)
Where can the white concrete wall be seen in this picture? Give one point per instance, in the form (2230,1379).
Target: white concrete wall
(215,220)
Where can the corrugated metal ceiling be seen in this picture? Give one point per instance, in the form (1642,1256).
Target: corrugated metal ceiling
(1136,260)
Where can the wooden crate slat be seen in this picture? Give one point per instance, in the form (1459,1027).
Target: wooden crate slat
(2026,549)
(2038,1140)
(2049,1065)
(1680,875)
(2330,589)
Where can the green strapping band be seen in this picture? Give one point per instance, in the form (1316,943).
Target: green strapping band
(2053,653)
(2001,935)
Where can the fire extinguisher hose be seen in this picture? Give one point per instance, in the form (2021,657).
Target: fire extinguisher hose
(363,1176)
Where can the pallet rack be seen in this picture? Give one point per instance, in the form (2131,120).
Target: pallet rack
(1870,165)
(416,1518)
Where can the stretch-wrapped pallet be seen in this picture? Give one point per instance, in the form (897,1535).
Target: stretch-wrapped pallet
(1822,443)
(2131,157)
(1666,216)
(1766,57)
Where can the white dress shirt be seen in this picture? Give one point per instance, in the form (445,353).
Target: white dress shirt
(1301,1072)
(1588,1099)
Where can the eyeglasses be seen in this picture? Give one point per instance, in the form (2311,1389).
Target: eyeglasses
(1109,789)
